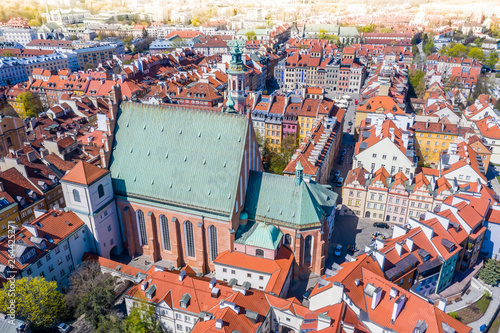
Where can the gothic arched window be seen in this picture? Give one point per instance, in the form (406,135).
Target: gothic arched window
(165,234)
(189,238)
(308,249)
(141,225)
(212,242)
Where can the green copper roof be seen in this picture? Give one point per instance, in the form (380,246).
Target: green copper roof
(277,199)
(266,236)
(263,235)
(230,102)
(299,166)
(179,157)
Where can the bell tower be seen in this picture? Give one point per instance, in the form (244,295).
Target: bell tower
(236,76)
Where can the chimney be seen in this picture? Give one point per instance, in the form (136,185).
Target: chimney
(394,293)
(108,122)
(182,274)
(377,296)
(410,242)
(103,158)
(399,248)
(106,142)
(218,324)
(398,306)
(212,283)
(441,304)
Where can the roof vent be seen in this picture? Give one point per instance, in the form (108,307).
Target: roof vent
(218,324)
(215,292)
(394,293)
(212,283)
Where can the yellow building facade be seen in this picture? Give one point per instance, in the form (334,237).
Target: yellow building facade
(432,139)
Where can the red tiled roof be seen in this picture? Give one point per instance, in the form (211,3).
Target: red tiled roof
(84,173)
(278,268)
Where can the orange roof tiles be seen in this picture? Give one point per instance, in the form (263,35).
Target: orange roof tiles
(414,309)
(348,274)
(278,268)
(84,173)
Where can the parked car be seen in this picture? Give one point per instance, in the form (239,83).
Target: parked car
(381,225)
(62,327)
(338,250)
(307,293)
(337,173)
(350,123)
(339,182)
(348,130)
(343,151)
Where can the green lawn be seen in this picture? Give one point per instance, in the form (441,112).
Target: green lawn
(474,311)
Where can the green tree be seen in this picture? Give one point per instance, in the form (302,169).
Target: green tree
(251,35)
(288,147)
(386,30)
(91,292)
(88,66)
(31,103)
(478,42)
(476,53)
(454,50)
(417,81)
(323,34)
(36,300)
(110,324)
(259,138)
(368,28)
(492,60)
(490,273)
(142,320)
(429,47)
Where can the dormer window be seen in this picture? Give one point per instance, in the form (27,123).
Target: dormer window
(25,257)
(184,302)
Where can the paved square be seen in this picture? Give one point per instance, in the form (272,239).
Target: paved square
(351,230)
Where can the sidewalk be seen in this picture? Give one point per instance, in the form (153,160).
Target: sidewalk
(474,295)
(490,312)
(467,299)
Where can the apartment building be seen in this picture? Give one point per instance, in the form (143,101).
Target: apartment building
(19,35)
(50,246)
(384,145)
(318,151)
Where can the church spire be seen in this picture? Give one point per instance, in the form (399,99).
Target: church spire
(236,75)
(298,173)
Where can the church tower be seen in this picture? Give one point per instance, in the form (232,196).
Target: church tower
(236,76)
(88,192)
